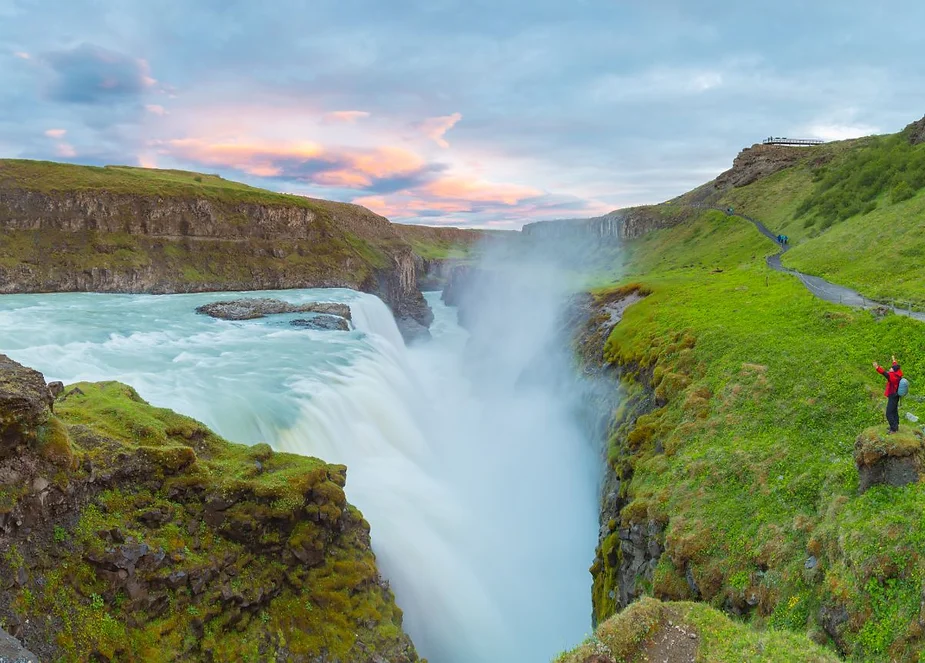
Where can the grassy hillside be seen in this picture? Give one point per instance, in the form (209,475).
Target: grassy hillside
(53,177)
(854,211)
(441,243)
(747,460)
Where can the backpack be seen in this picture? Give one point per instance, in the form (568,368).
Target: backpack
(903,387)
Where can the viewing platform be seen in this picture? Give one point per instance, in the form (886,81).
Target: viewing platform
(793,142)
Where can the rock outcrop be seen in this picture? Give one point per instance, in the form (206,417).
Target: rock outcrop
(612,228)
(252,308)
(187,237)
(12,651)
(130,533)
(916,132)
(892,460)
(756,162)
(322,323)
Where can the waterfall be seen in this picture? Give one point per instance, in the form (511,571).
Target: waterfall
(480,492)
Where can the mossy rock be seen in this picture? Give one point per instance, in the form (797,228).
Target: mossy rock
(893,460)
(137,534)
(650,630)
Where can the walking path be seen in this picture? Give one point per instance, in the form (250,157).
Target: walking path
(821,288)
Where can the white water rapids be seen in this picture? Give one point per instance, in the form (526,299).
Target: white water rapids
(480,489)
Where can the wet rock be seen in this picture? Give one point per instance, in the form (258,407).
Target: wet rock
(254,307)
(412,330)
(25,404)
(12,651)
(322,323)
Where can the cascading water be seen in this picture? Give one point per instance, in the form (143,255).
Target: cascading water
(479,487)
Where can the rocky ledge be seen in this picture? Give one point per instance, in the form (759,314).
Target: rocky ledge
(892,460)
(130,533)
(253,308)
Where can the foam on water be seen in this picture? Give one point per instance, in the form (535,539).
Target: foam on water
(481,496)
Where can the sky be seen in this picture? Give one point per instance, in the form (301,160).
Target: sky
(470,113)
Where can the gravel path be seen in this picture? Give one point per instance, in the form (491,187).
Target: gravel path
(821,288)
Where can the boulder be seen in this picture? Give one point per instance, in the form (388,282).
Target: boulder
(322,323)
(25,404)
(252,308)
(11,651)
(893,460)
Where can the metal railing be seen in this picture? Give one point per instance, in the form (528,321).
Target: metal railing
(793,142)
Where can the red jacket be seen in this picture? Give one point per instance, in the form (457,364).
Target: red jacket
(892,380)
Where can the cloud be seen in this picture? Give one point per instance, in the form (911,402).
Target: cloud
(376,170)
(347,116)
(435,128)
(840,131)
(65,150)
(55,133)
(155,109)
(22,55)
(461,188)
(91,74)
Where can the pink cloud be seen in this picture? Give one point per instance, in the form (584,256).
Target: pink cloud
(461,188)
(65,150)
(346,167)
(253,158)
(55,133)
(155,109)
(346,116)
(147,161)
(435,128)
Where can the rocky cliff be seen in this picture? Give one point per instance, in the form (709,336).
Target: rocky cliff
(130,533)
(76,228)
(612,228)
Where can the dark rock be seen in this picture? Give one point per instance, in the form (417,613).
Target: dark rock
(412,330)
(916,132)
(811,563)
(25,404)
(322,323)
(55,388)
(834,620)
(893,460)
(691,582)
(11,651)
(252,308)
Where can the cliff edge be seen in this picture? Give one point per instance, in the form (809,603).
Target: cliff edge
(118,229)
(131,533)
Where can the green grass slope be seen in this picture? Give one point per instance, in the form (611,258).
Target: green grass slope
(854,211)
(747,460)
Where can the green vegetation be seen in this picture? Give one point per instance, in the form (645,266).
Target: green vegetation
(53,177)
(631,637)
(442,243)
(183,546)
(747,459)
(853,211)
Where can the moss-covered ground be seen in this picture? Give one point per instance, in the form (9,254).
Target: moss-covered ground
(748,460)
(632,637)
(168,543)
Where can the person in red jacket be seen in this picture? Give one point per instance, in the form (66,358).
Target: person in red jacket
(893,376)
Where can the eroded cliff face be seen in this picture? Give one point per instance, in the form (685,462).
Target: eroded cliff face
(105,242)
(131,533)
(612,228)
(627,553)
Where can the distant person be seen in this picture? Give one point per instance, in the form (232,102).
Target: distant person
(893,377)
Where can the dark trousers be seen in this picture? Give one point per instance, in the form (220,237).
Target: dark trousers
(892,412)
